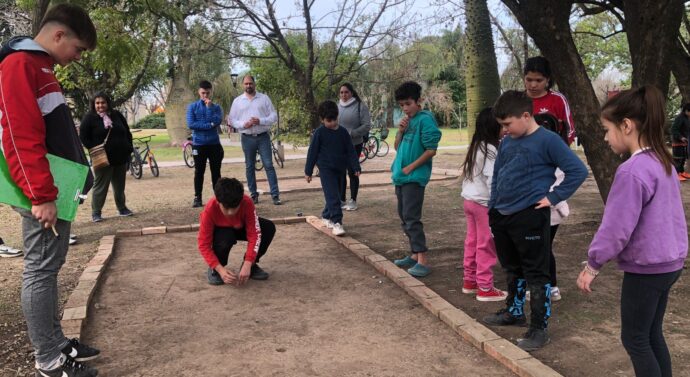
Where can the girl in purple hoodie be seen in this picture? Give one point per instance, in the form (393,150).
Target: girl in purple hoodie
(643,226)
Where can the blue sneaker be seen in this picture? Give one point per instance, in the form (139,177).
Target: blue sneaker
(96,217)
(124,213)
(419,270)
(405,262)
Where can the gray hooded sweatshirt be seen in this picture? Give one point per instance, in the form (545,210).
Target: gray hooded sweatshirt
(355,118)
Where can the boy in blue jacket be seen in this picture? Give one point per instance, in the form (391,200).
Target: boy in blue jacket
(203,118)
(332,150)
(520,214)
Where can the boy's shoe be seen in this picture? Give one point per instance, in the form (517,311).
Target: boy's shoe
(10,252)
(534,339)
(255,199)
(555,294)
(681,178)
(72,239)
(419,270)
(96,217)
(327,223)
(350,205)
(214,277)
(125,213)
(469,287)
(338,229)
(258,273)
(69,368)
(491,294)
(685,175)
(196,203)
(504,318)
(80,352)
(343,204)
(405,262)
(276,201)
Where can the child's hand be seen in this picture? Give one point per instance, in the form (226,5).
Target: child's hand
(407,169)
(544,203)
(357,173)
(403,124)
(228,276)
(308,178)
(584,280)
(245,271)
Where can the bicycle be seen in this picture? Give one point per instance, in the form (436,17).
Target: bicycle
(382,134)
(259,165)
(141,157)
(188,152)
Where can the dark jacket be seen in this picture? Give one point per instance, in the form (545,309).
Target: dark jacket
(35,120)
(92,132)
(680,128)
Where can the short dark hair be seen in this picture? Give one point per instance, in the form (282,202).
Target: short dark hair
(328,110)
(512,103)
(541,65)
(76,19)
(250,76)
(229,192)
(407,90)
(352,90)
(686,107)
(107,99)
(205,84)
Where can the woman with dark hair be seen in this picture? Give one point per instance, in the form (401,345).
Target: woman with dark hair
(100,122)
(679,142)
(354,116)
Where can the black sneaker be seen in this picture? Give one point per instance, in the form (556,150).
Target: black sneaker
(534,339)
(258,273)
(213,277)
(276,201)
(69,368)
(504,318)
(255,199)
(80,352)
(126,212)
(96,217)
(197,202)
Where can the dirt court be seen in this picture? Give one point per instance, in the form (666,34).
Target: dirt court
(321,313)
(585,329)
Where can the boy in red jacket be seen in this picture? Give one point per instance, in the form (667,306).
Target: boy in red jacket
(35,121)
(229,217)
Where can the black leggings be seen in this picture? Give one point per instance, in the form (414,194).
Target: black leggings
(354,180)
(214,154)
(552,264)
(225,238)
(643,305)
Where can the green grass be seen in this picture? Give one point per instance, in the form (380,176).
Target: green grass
(450,137)
(160,145)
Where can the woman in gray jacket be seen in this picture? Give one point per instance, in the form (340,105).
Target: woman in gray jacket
(354,116)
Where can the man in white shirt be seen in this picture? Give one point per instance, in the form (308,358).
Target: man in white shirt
(252,114)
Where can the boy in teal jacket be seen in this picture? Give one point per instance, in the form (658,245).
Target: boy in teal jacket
(415,143)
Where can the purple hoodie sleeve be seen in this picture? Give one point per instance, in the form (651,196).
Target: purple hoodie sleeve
(621,214)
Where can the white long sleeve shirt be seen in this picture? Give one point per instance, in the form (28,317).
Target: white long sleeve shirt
(478,189)
(244,108)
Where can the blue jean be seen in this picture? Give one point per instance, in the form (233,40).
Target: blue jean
(262,143)
(44,255)
(330,183)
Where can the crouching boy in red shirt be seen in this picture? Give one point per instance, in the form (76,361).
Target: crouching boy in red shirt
(229,217)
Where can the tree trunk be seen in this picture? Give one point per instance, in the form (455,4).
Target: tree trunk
(181,94)
(680,66)
(547,22)
(481,78)
(651,27)
(37,15)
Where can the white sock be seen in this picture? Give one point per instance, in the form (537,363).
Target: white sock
(57,363)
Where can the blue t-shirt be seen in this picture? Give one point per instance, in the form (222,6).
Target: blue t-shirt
(331,149)
(525,171)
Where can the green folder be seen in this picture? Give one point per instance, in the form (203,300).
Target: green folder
(68,176)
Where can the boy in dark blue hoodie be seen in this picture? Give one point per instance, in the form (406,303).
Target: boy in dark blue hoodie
(332,151)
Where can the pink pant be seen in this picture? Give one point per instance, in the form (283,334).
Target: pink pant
(480,251)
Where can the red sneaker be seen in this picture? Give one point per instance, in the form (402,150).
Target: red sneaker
(685,175)
(469,287)
(492,294)
(681,178)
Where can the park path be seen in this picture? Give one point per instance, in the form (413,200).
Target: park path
(322,313)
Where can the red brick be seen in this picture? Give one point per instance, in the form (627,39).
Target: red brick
(194,227)
(506,353)
(79,297)
(74,313)
(153,230)
(455,318)
(361,251)
(96,268)
(436,304)
(179,228)
(477,334)
(294,220)
(90,276)
(534,368)
(128,232)
(421,292)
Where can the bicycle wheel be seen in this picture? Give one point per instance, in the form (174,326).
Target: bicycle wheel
(188,156)
(279,160)
(372,147)
(154,166)
(135,165)
(363,154)
(258,165)
(383,149)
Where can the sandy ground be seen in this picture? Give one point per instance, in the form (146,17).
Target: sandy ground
(322,313)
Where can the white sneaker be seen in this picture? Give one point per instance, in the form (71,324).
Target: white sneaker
(555,294)
(327,223)
(338,229)
(72,240)
(9,252)
(351,205)
(343,205)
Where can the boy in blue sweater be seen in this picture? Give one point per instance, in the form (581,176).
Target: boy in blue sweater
(520,215)
(332,151)
(203,118)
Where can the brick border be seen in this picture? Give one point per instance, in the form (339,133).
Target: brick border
(505,352)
